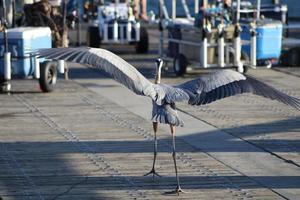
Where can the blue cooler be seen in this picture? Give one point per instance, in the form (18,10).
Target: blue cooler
(22,41)
(269,39)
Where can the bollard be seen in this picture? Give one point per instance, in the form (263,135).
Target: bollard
(37,73)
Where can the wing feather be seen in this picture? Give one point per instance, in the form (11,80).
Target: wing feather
(225,83)
(203,90)
(115,66)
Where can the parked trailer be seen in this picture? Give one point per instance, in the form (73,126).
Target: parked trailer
(18,62)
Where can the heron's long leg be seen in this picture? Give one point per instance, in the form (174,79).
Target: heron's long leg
(155,125)
(178,188)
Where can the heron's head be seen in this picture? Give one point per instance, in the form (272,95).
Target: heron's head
(159,63)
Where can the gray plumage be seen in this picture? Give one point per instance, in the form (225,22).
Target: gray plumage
(203,90)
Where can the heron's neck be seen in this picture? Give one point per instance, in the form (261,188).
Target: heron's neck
(158,75)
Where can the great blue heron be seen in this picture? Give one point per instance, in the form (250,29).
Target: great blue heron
(202,90)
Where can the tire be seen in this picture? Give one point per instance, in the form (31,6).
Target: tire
(180,64)
(93,37)
(48,77)
(142,46)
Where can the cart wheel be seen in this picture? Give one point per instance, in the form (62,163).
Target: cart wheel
(180,64)
(142,46)
(93,38)
(48,76)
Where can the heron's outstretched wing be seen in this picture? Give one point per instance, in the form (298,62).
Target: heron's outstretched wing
(115,66)
(225,83)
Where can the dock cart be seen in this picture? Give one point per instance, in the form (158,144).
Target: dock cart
(116,24)
(268,41)
(211,39)
(262,37)
(16,60)
(209,42)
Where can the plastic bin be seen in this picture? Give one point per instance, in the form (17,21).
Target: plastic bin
(21,41)
(269,39)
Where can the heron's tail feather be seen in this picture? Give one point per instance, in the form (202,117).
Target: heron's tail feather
(174,120)
(166,114)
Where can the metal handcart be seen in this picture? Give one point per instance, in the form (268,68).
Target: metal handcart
(17,57)
(18,62)
(116,24)
(262,37)
(206,45)
(212,43)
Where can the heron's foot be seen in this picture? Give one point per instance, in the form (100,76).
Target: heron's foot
(177,191)
(153,172)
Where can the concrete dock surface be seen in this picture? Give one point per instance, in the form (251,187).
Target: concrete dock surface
(92,139)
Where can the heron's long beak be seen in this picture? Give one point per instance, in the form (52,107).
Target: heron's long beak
(159,64)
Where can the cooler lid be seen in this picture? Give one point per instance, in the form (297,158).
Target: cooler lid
(269,23)
(27,32)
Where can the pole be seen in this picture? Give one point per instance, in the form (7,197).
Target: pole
(115,24)
(238,10)
(14,13)
(203,52)
(160,28)
(237,40)
(196,6)
(7,55)
(258,9)
(253,46)
(5,26)
(173,9)
(79,23)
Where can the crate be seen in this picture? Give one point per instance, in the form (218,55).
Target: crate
(193,52)
(269,39)
(22,41)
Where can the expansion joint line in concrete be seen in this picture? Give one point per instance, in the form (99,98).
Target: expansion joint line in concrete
(83,147)
(235,122)
(232,188)
(16,168)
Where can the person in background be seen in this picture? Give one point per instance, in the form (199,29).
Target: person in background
(139,8)
(140,5)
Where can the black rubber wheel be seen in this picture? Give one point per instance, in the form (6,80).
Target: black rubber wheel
(48,76)
(93,37)
(180,64)
(294,57)
(142,46)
